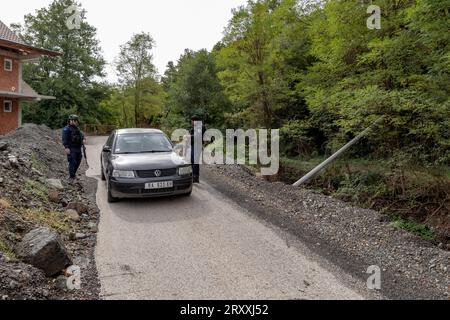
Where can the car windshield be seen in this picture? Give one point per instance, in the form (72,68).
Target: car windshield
(142,143)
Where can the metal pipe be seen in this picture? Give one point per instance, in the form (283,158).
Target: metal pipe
(324,164)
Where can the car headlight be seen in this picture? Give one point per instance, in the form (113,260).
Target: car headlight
(185,171)
(123,174)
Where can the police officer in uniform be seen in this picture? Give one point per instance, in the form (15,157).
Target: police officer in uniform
(73,141)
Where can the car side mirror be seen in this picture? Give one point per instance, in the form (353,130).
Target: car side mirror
(106,149)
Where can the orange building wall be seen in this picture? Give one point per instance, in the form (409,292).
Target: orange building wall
(9,121)
(9,79)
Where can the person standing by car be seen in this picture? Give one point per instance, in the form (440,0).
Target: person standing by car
(73,141)
(196,134)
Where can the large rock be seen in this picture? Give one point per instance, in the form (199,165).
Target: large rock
(73,215)
(55,184)
(79,207)
(3,146)
(44,249)
(13,161)
(53,196)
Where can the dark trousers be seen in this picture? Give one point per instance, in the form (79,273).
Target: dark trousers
(74,161)
(196,170)
(195,166)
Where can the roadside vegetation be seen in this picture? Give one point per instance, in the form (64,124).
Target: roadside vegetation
(5,247)
(414,198)
(37,190)
(311,68)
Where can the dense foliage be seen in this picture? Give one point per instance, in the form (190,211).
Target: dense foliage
(73,78)
(193,89)
(137,74)
(321,75)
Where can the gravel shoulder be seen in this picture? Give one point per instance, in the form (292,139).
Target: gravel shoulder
(348,237)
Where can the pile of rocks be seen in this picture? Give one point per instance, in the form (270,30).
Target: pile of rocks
(47,223)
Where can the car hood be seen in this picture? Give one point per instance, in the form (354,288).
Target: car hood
(147,161)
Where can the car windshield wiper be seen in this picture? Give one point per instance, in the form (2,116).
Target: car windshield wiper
(155,151)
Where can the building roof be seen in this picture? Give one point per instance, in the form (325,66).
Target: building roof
(11,40)
(7,34)
(25,93)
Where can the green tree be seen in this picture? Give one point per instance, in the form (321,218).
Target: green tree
(73,77)
(135,68)
(261,58)
(193,88)
(244,61)
(398,72)
(120,104)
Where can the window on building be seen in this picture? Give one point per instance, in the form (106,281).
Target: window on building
(8,65)
(7,106)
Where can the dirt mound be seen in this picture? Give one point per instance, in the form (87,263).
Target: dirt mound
(31,161)
(39,146)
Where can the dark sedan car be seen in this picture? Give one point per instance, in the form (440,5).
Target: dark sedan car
(141,163)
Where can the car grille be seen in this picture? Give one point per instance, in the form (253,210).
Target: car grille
(151,173)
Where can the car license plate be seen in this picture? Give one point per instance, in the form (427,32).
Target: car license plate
(159,185)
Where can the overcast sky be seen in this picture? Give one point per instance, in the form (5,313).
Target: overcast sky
(174,24)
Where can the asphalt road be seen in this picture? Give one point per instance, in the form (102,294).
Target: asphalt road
(202,247)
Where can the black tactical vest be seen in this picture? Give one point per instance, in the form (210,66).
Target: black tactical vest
(76,139)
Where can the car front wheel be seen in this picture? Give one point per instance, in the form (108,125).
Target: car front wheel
(111,199)
(102,172)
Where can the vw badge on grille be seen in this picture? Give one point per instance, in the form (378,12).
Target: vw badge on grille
(158,173)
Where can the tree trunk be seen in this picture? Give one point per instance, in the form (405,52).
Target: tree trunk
(136,104)
(267,110)
(125,119)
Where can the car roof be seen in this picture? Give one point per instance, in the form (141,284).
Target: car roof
(131,131)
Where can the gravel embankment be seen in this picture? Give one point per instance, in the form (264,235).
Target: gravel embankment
(28,158)
(349,237)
